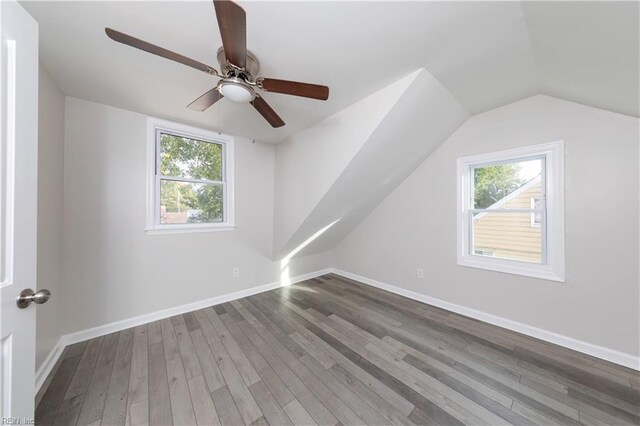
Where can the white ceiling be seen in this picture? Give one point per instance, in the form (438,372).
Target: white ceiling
(486,53)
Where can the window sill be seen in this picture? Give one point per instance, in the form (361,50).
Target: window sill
(544,272)
(189,229)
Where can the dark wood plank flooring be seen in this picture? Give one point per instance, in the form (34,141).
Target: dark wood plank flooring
(332,351)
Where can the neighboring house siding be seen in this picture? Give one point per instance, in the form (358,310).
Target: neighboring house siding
(511,235)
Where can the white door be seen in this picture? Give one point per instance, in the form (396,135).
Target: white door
(18,221)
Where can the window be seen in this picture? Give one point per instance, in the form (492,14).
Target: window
(511,211)
(190,185)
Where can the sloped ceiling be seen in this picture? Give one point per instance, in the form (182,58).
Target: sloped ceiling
(485,53)
(309,163)
(589,54)
(421,118)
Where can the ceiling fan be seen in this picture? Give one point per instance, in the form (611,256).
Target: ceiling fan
(239,67)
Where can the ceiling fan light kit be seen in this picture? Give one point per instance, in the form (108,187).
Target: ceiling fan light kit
(239,67)
(236,90)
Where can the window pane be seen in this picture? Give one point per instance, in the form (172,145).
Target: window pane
(507,185)
(506,236)
(187,202)
(190,158)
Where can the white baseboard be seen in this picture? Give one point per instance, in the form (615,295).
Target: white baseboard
(80,336)
(48,363)
(601,352)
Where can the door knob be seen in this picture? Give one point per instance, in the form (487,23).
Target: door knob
(27,296)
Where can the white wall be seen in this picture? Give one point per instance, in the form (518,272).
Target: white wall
(113,270)
(337,171)
(309,162)
(423,117)
(415,226)
(50,206)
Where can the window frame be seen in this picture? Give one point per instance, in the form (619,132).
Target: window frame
(155,127)
(553,262)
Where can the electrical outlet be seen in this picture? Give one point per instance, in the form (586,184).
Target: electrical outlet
(235,273)
(420,273)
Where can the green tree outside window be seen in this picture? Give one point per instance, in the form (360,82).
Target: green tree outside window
(187,158)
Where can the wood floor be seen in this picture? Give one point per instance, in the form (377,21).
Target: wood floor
(331,351)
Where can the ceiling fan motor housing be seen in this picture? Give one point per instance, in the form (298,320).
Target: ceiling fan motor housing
(251,69)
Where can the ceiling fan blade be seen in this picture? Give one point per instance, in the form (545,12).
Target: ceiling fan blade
(267,112)
(156,50)
(206,100)
(286,87)
(232,22)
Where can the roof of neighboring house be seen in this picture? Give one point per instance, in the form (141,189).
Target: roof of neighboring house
(530,184)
